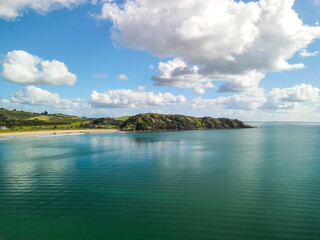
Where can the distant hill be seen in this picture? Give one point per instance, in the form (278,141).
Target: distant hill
(161,122)
(15,120)
(22,118)
(27,121)
(16,115)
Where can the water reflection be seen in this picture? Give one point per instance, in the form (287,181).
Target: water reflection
(237,184)
(24,161)
(19,177)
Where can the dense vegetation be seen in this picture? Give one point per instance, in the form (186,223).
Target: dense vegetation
(27,121)
(161,122)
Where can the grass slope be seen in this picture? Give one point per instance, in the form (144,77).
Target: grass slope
(123,118)
(161,122)
(16,115)
(27,121)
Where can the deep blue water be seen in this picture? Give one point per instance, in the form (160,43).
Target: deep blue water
(261,183)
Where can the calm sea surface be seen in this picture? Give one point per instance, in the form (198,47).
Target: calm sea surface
(261,183)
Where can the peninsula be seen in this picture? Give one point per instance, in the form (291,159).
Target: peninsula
(174,122)
(13,122)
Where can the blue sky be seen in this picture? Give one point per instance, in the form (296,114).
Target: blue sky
(210,58)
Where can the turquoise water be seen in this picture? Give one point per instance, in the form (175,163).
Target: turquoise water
(261,183)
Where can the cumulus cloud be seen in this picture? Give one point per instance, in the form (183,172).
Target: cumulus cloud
(175,27)
(177,73)
(11,9)
(24,68)
(36,96)
(227,38)
(247,81)
(122,77)
(305,53)
(127,98)
(4,103)
(7,104)
(276,99)
(246,101)
(289,98)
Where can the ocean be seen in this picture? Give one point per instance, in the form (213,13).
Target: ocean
(260,183)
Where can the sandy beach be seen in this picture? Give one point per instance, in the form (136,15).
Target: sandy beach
(8,134)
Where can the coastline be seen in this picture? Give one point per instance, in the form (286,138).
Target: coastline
(53,132)
(180,130)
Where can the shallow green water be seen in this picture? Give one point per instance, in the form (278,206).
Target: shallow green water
(261,183)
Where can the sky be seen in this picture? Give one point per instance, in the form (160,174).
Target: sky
(251,60)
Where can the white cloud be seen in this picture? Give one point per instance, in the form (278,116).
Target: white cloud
(151,67)
(122,77)
(177,73)
(289,98)
(24,68)
(127,98)
(175,27)
(246,82)
(36,96)
(305,53)
(227,38)
(296,97)
(100,75)
(5,103)
(11,9)
(245,101)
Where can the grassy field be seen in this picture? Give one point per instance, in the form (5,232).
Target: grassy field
(123,118)
(20,121)
(17,115)
(41,118)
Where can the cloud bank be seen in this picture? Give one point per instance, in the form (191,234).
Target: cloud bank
(127,98)
(11,9)
(31,95)
(229,40)
(177,73)
(275,100)
(24,68)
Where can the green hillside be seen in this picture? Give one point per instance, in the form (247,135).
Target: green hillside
(16,115)
(27,121)
(161,122)
(122,118)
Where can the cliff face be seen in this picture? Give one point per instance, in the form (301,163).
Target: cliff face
(161,122)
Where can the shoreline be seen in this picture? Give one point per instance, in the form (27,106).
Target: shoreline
(181,130)
(53,132)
